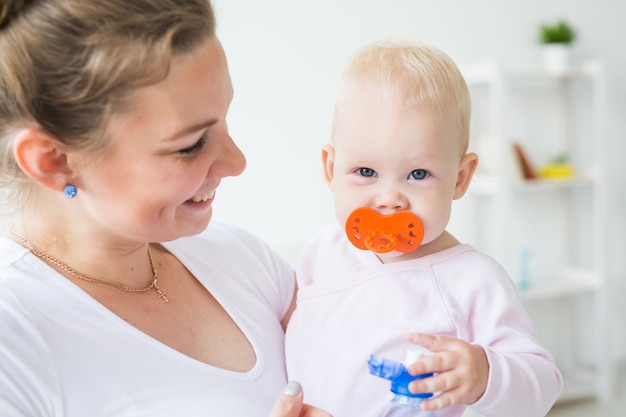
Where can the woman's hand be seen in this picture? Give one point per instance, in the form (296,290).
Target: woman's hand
(461,371)
(290,404)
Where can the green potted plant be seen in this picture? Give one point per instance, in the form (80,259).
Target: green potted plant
(559,32)
(556,40)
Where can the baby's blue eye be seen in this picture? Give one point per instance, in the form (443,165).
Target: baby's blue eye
(366,172)
(418,174)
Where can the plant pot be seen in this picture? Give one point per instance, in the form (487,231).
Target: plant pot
(556,57)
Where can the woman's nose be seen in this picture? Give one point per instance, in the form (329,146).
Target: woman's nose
(231,161)
(391,199)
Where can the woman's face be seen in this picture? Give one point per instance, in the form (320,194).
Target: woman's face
(157,179)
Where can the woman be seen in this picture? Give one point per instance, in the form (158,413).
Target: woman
(116,296)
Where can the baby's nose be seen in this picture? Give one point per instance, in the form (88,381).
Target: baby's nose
(391,198)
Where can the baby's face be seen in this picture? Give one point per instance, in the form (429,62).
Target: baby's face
(390,157)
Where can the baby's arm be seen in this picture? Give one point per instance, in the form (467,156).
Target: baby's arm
(461,371)
(492,382)
(492,362)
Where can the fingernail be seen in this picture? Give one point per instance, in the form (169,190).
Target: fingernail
(292,389)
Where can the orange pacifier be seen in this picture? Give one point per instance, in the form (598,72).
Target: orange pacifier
(401,231)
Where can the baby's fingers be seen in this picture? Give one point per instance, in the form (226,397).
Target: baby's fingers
(434,343)
(435,363)
(447,386)
(441,401)
(442,382)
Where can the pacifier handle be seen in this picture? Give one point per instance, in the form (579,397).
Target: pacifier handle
(369,230)
(380,241)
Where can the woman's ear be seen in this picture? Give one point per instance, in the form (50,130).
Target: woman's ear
(467,167)
(43,158)
(328,160)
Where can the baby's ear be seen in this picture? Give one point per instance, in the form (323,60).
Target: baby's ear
(467,167)
(328,161)
(43,158)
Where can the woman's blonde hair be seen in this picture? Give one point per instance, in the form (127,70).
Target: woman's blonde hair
(411,73)
(66,66)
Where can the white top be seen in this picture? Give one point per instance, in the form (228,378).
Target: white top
(63,354)
(350,305)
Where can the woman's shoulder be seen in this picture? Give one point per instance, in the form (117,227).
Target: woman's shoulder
(243,261)
(25,288)
(17,270)
(10,253)
(230,248)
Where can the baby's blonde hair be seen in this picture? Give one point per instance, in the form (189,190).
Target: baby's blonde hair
(413,73)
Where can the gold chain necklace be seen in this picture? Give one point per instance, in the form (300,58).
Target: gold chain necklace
(72,272)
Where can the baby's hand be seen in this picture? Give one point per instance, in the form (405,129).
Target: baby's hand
(461,371)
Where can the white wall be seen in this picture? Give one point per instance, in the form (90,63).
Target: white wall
(285,56)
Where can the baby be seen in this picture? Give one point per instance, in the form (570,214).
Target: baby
(389,272)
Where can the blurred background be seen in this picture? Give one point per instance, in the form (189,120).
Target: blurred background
(285,57)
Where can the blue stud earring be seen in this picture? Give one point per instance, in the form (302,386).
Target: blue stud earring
(70,191)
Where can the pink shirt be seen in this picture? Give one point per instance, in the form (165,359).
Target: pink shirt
(350,305)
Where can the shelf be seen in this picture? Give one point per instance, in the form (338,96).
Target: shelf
(483,184)
(486,72)
(562,219)
(578,385)
(574,281)
(581,72)
(554,183)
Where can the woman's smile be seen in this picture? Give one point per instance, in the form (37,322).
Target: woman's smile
(202,197)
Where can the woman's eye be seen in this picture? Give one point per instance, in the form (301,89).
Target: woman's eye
(366,172)
(193,148)
(418,174)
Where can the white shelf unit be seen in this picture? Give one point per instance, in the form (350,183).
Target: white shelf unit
(548,233)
